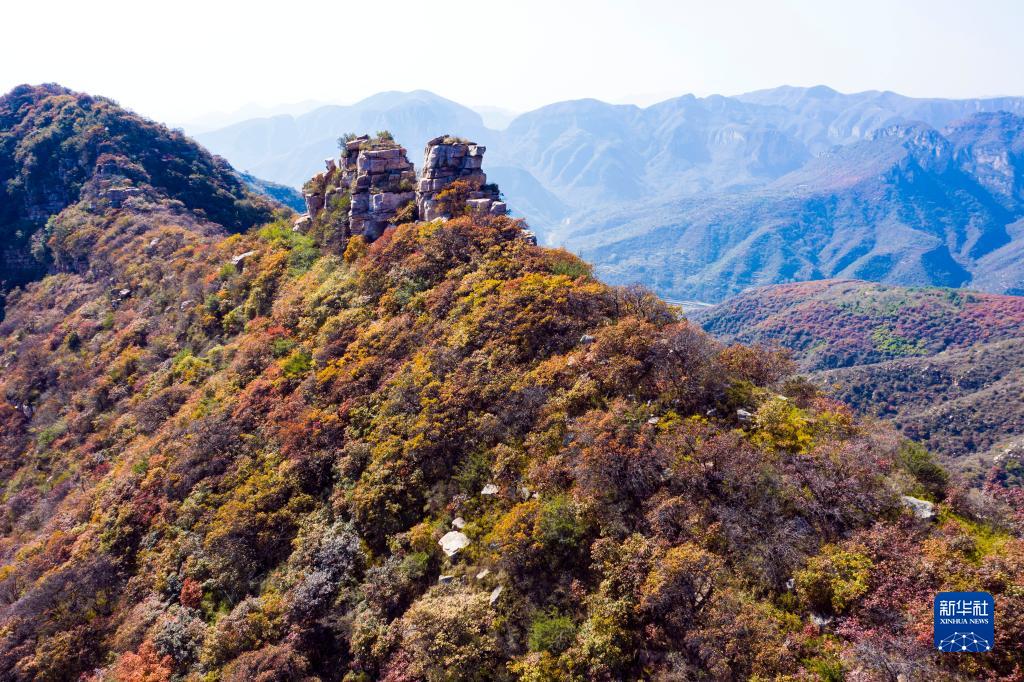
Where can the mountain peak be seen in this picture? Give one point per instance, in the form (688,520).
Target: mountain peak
(373,185)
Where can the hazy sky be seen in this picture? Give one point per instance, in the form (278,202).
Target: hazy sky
(176,61)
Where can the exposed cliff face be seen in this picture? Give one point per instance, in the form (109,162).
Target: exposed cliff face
(908,205)
(446,161)
(373,185)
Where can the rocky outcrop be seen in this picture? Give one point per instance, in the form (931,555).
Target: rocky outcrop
(447,160)
(373,184)
(380,180)
(367,186)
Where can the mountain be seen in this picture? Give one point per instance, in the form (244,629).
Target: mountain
(908,205)
(495,118)
(446,454)
(288,149)
(282,194)
(57,147)
(703,197)
(216,120)
(945,365)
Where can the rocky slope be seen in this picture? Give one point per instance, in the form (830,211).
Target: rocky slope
(443,454)
(944,365)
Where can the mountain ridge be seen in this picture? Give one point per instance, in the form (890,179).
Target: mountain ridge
(904,206)
(57,146)
(634,188)
(440,452)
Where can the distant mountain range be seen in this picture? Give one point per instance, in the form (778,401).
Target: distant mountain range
(704,197)
(289,149)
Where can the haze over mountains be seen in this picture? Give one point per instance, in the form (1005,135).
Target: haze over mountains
(704,197)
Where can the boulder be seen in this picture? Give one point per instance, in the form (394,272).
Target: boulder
(240,258)
(314,203)
(922,509)
(821,621)
(453,541)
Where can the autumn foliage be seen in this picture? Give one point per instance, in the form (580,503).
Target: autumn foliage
(239,468)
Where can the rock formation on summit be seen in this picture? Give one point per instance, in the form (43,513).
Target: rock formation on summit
(447,160)
(373,185)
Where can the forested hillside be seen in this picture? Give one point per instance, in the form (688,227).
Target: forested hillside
(53,142)
(944,365)
(447,454)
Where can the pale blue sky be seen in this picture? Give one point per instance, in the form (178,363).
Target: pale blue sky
(178,60)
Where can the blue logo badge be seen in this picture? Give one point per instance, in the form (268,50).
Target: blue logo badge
(964,621)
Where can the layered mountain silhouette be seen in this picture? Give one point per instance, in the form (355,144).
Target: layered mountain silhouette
(909,205)
(288,149)
(703,197)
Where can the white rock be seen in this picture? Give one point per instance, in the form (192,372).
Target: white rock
(483,574)
(495,593)
(445,579)
(820,621)
(453,541)
(458,523)
(489,489)
(923,509)
(235,260)
(743,415)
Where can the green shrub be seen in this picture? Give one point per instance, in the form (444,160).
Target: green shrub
(297,364)
(887,341)
(834,579)
(551,632)
(919,463)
